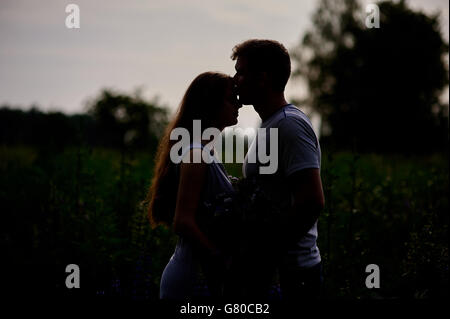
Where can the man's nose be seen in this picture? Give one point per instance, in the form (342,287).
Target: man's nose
(239,104)
(236,93)
(235,79)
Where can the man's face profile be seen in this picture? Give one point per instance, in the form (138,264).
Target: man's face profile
(243,81)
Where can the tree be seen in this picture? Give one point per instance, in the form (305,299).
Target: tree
(127,120)
(112,120)
(377,89)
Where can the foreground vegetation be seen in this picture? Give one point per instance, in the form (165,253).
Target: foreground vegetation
(85,206)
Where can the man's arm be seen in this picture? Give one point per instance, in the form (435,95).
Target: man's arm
(307,199)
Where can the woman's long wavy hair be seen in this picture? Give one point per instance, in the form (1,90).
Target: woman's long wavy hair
(203,100)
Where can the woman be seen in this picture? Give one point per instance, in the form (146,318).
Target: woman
(179,190)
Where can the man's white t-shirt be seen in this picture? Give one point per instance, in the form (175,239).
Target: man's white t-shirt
(298,148)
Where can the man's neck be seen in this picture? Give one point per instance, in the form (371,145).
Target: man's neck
(270,106)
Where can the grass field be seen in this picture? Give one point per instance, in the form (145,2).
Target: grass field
(84,206)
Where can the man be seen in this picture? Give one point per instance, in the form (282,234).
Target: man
(262,71)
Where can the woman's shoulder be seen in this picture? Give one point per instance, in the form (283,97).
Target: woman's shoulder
(196,153)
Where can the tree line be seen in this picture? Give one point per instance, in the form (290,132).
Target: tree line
(112,120)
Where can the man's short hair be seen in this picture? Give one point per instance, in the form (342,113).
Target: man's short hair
(266,56)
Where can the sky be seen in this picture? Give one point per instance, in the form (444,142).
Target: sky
(157,46)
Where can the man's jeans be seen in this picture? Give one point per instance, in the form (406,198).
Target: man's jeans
(299,283)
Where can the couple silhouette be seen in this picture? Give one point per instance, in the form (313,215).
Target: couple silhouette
(238,256)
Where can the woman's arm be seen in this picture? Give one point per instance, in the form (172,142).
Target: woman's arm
(191,185)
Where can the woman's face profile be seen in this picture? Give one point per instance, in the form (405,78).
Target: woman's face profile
(230,110)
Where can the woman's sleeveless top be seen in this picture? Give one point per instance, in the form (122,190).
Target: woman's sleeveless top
(182,274)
